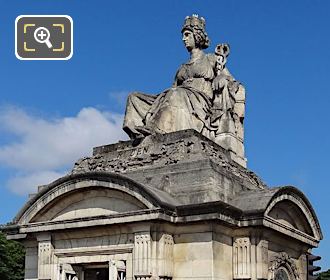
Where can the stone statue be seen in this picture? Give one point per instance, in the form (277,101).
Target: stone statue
(204,97)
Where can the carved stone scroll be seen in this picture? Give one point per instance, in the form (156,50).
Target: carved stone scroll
(283,260)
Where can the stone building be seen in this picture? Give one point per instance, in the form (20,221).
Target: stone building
(173,206)
(177,201)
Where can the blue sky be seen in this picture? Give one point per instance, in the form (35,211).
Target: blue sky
(53,112)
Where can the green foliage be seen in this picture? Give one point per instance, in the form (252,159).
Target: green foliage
(325,275)
(11,259)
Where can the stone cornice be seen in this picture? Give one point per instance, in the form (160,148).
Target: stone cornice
(159,214)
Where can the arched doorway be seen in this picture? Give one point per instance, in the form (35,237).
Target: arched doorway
(282,274)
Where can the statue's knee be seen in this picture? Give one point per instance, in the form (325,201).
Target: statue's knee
(131,97)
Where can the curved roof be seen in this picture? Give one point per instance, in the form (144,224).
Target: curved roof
(157,198)
(251,203)
(262,202)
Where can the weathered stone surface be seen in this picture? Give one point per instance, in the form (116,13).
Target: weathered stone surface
(204,97)
(172,206)
(283,260)
(185,164)
(198,240)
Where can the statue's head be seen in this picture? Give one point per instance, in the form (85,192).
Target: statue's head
(196,25)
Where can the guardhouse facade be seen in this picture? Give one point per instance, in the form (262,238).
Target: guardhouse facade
(169,207)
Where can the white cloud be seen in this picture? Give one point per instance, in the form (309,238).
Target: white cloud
(44,148)
(28,183)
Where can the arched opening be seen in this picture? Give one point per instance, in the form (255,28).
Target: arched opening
(282,274)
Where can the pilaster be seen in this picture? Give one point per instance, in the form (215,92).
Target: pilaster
(46,257)
(242,258)
(142,256)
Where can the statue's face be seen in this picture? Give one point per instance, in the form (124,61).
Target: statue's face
(188,39)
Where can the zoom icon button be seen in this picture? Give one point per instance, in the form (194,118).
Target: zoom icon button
(43,37)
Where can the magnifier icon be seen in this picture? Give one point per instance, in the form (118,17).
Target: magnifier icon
(42,35)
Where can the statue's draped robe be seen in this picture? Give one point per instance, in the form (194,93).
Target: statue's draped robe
(184,106)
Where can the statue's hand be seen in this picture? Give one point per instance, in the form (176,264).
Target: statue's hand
(147,117)
(219,83)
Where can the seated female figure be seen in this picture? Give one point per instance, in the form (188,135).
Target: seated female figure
(187,104)
(204,97)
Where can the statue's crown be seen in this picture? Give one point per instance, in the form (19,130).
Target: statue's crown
(194,20)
